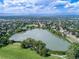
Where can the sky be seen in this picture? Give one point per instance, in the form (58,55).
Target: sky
(48,7)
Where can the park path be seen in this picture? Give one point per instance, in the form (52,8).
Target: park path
(60,56)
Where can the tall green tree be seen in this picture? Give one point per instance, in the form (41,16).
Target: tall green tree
(73,52)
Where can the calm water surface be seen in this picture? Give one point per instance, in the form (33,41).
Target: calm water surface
(52,42)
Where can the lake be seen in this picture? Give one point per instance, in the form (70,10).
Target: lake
(52,41)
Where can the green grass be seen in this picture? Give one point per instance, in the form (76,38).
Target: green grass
(14,51)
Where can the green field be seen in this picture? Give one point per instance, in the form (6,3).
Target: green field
(14,51)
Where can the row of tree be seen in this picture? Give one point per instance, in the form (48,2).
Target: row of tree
(73,52)
(37,46)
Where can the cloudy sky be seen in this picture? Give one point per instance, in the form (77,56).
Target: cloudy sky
(53,7)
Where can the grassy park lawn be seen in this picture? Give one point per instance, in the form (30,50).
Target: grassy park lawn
(14,51)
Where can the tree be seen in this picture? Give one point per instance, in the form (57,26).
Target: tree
(73,52)
(77,35)
(38,46)
(43,52)
(28,43)
(3,42)
(11,41)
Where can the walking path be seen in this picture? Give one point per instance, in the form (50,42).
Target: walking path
(61,56)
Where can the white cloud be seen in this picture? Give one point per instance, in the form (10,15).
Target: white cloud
(16,6)
(1,7)
(39,6)
(72,5)
(72,8)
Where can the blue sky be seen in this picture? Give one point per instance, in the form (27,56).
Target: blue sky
(53,7)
